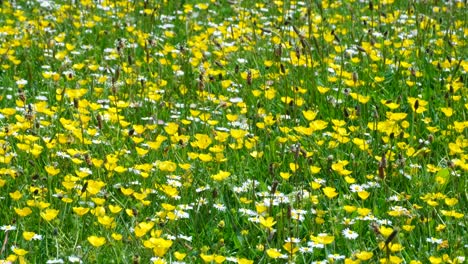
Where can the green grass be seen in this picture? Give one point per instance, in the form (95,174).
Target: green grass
(215,131)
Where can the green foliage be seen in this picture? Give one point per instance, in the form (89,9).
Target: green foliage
(233,131)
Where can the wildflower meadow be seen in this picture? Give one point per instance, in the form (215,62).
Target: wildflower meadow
(233,131)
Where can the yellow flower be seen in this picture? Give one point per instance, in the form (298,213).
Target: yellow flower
(364,211)
(435,260)
(80,210)
(349,208)
(169,190)
(293,166)
(330,192)
(448,111)
(290,247)
(385,231)
(364,255)
(408,228)
(244,261)
(451,201)
(322,89)
(94,186)
(16,195)
(363,195)
(159,245)
(23,211)
(339,167)
(323,239)
(418,105)
(179,256)
(115,209)
(28,235)
(221,175)
(309,115)
(49,214)
(314,169)
(452,213)
(285,175)
(273,253)
(211,258)
(261,208)
(51,170)
(142,228)
(167,166)
(96,241)
(440,227)
(256,154)
(141,151)
(268,222)
(116,236)
(20,251)
(202,141)
(127,191)
(205,157)
(396,116)
(391,260)
(107,221)
(395,247)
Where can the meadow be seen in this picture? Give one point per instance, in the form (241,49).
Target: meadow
(229,131)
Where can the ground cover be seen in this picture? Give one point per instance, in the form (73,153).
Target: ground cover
(233,131)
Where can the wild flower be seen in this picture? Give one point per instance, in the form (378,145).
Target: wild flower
(7,228)
(349,234)
(172,127)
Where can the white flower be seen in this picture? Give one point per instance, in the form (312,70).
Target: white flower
(7,228)
(349,234)
(235,100)
(298,214)
(37,237)
(292,240)
(187,238)
(21,82)
(335,256)
(74,259)
(53,261)
(347,221)
(306,249)
(356,188)
(181,214)
(434,240)
(158,260)
(313,244)
(220,207)
(241,60)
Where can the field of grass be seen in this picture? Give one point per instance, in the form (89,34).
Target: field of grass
(233,131)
